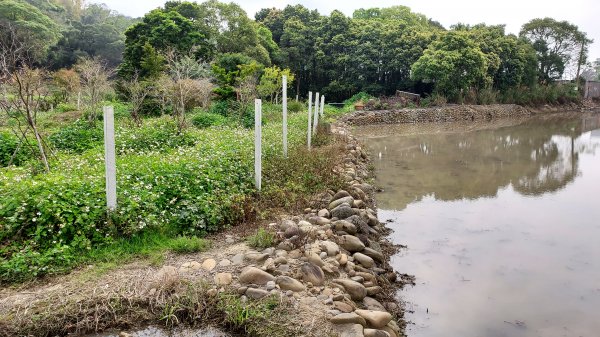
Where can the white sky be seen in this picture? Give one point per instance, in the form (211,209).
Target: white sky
(513,13)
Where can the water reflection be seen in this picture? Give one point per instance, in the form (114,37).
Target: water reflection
(501,223)
(534,156)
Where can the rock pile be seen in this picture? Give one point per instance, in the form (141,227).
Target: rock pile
(328,260)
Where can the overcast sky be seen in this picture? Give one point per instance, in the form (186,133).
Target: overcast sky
(512,13)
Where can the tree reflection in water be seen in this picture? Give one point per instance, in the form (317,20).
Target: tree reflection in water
(466,161)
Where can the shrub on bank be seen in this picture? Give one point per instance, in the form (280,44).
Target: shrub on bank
(50,222)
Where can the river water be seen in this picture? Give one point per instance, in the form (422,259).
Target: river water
(502,224)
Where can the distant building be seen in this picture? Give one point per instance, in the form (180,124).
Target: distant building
(592,89)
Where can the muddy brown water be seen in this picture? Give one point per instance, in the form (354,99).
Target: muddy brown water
(502,224)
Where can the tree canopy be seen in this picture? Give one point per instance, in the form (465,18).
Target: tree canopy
(557,44)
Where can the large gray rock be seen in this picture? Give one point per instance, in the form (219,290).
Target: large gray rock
(356,290)
(345,200)
(373,304)
(340,194)
(291,231)
(343,307)
(288,283)
(313,274)
(378,256)
(361,225)
(256,293)
(345,226)
(223,279)
(252,275)
(348,318)
(375,319)
(364,260)
(319,220)
(375,333)
(351,243)
(331,248)
(324,213)
(342,212)
(349,330)
(285,224)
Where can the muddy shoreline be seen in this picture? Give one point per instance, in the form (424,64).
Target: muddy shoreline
(460,113)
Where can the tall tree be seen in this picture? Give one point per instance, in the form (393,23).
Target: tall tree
(454,63)
(163,31)
(35,28)
(557,44)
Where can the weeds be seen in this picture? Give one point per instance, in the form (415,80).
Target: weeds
(187,245)
(262,239)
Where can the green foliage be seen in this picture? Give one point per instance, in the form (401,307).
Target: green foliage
(361,96)
(96,31)
(188,245)
(159,31)
(271,82)
(8,145)
(454,63)
(220,108)
(31,24)
(207,119)
(238,314)
(188,184)
(66,107)
(541,95)
(557,44)
(77,137)
(296,106)
(261,239)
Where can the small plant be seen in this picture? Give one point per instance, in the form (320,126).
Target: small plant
(262,239)
(294,106)
(206,119)
(239,314)
(187,245)
(66,107)
(220,108)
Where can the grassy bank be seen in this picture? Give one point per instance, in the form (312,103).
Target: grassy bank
(169,186)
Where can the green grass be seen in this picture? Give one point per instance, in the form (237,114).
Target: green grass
(262,239)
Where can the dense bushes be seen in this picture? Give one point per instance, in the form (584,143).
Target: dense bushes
(187,184)
(77,137)
(8,146)
(207,119)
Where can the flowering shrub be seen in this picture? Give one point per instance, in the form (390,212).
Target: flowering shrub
(190,184)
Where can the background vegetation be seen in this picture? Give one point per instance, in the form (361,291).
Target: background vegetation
(182,80)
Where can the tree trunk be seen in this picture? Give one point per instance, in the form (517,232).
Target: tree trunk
(38,139)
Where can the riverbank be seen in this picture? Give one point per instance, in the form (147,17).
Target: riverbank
(458,113)
(325,272)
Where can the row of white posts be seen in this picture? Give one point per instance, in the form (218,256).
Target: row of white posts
(315,111)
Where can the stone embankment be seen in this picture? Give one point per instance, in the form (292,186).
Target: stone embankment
(330,262)
(453,113)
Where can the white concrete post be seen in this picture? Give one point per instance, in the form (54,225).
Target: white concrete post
(309,118)
(322,105)
(258,143)
(109,158)
(316,116)
(285,122)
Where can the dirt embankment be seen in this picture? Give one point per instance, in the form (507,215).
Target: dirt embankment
(456,113)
